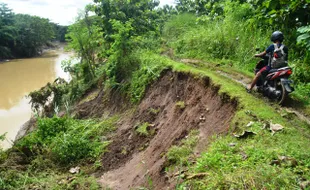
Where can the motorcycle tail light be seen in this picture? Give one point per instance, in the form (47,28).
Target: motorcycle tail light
(289,72)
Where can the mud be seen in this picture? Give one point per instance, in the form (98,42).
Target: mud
(134,160)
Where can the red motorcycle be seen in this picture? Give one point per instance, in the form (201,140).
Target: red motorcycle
(276,85)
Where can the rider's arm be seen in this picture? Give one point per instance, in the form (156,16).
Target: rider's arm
(261,54)
(268,50)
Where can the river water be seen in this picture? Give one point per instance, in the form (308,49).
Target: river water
(18,78)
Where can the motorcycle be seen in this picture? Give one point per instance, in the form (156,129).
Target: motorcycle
(276,85)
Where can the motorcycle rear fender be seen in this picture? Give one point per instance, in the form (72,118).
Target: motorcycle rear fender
(286,83)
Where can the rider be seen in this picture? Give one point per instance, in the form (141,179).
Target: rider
(277,38)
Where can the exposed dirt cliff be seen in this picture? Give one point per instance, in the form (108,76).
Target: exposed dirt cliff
(172,107)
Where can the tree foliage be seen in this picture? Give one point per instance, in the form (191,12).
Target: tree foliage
(7,31)
(108,34)
(33,32)
(85,37)
(24,35)
(304,37)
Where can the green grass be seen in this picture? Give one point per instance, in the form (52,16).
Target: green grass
(230,43)
(56,145)
(50,179)
(227,169)
(221,40)
(251,163)
(67,140)
(148,72)
(179,154)
(248,164)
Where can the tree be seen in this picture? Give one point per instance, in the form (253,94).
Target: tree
(60,32)
(33,33)
(141,12)
(7,31)
(24,35)
(124,24)
(85,37)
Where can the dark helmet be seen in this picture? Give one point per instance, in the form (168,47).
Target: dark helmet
(277,36)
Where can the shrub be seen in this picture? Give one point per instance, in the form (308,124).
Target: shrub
(232,37)
(49,128)
(68,140)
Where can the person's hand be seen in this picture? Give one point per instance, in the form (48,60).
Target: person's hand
(257,55)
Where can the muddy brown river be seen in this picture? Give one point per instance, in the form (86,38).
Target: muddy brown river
(18,78)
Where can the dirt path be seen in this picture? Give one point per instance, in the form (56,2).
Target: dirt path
(291,107)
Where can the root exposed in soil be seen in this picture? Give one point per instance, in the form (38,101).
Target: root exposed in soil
(172,107)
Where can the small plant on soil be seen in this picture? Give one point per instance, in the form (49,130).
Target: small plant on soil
(154,111)
(180,154)
(181,105)
(124,150)
(143,129)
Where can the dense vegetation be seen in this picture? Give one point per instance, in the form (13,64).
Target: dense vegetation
(216,31)
(24,35)
(127,44)
(231,31)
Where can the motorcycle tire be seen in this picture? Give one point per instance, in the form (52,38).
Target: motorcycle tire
(282,98)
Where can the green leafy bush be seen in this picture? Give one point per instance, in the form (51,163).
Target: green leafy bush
(68,140)
(151,65)
(49,128)
(70,147)
(304,37)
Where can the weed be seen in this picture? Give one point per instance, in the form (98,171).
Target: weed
(154,111)
(180,154)
(124,150)
(143,129)
(180,104)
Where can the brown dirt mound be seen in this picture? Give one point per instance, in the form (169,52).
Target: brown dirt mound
(101,103)
(134,160)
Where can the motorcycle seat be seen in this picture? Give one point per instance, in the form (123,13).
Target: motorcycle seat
(279,69)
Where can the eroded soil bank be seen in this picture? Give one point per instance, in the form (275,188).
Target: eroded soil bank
(173,106)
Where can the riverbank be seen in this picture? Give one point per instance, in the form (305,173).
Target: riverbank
(55,45)
(23,76)
(208,122)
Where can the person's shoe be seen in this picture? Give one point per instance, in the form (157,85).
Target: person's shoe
(248,90)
